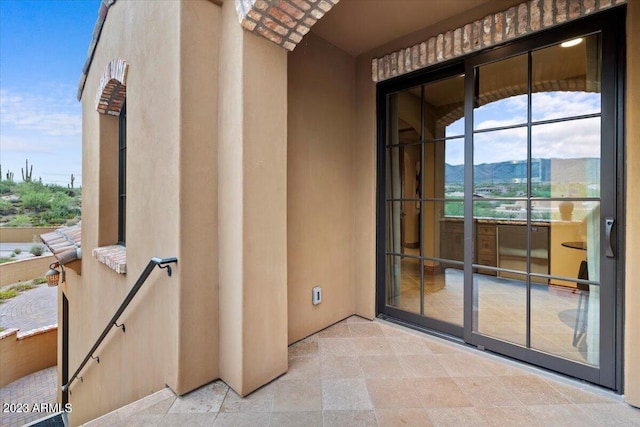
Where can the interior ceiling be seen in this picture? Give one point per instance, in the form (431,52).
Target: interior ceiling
(358,26)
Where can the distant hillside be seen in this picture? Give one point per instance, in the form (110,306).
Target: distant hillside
(562,170)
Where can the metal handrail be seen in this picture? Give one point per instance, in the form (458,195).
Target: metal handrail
(161,263)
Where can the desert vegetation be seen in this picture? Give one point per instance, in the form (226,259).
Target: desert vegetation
(31,203)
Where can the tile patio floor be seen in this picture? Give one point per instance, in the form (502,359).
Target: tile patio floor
(362,373)
(37,388)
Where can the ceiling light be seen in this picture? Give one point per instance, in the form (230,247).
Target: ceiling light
(573,42)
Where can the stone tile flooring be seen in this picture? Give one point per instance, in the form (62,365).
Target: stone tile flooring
(362,373)
(37,388)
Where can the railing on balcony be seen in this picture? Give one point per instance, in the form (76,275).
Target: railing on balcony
(161,263)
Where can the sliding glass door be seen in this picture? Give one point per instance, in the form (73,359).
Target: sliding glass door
(499,201)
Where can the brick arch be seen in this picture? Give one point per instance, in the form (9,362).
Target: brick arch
(450,113)
(112,89)
(284,22)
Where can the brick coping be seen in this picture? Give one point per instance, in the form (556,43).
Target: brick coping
(33,332)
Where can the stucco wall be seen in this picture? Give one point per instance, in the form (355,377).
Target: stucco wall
(364,186)
(198,241)
(31,352)
(320,194)
(23,234)
(632,290)
(25,269)
(171,128)
(252,210)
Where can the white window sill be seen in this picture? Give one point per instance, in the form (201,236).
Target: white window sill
(114,257)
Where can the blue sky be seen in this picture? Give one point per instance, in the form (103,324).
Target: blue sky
(43,46)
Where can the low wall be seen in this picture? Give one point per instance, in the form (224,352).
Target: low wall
(24,269)
(28,353)
(23,234)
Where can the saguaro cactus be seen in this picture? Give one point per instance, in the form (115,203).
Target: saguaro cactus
(26,172)
(73,178)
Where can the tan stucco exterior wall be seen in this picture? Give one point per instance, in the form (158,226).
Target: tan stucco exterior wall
(198,203)
(252,216)
(31,352)
(364,186)
(152,52)
(320,194)
(171,143)
(632,290)
(24,269)
(23,234)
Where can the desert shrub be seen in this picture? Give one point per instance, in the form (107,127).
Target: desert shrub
(7,187)
(19,221)
(37,200)
(37,249)
(26,187)
(62,208)
(6,207)
(17,251)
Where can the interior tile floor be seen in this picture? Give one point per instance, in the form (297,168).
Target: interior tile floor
(558,314)
(373,373)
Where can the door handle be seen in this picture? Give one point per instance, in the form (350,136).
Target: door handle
(609,222)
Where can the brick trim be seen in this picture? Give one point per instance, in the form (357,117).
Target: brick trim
(518,21)
(284,22)
(114,257)
(112,89)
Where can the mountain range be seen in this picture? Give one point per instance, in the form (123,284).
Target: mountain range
(543,170)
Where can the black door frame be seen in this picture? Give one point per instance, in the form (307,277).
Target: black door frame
(611,24)
(65,348)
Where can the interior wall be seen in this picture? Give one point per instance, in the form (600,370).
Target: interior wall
(632,134)
(321,198)
(144,359)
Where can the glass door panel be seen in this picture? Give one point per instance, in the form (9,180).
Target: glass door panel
(565,137)
(500,307)
(424,201)
(403,283)
(500,99)
(537,188)
(443,253)
(569,155)
(567,80)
